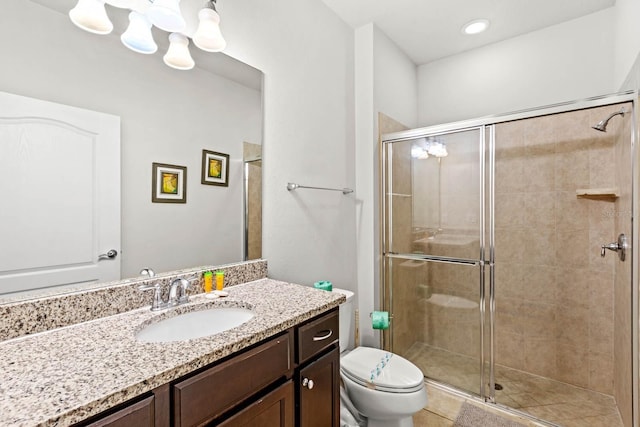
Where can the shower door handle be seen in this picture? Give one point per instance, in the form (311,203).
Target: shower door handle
(620,247)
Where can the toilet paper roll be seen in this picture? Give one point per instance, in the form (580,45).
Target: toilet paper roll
(325,285)
(380,320)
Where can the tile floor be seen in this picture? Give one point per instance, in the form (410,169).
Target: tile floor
(443,408)
(546,399)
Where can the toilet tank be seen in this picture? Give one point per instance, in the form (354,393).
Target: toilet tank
(346,319)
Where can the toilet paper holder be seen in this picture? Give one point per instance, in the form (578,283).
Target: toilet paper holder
(380,319)
(371,316)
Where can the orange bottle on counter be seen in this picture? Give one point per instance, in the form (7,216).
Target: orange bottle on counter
(208,281)
(219,280)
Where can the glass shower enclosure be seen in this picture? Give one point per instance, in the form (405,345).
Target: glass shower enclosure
(492,268)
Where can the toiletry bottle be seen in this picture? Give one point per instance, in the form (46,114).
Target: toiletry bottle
(208,281)
(219,280)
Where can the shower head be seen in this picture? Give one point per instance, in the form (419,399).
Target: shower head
(602,124)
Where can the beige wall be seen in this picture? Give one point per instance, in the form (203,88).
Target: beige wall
(622,378)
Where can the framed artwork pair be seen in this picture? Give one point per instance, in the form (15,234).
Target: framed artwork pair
(169,182)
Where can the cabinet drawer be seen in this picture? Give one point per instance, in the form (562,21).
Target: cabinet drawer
(137,414)
(207,395)
(317,335)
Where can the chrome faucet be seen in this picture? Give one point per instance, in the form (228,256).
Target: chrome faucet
(177,291)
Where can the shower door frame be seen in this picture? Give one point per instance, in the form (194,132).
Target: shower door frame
(480,261)
(488,123)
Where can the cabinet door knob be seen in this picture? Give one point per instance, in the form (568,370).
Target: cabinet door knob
(306,382)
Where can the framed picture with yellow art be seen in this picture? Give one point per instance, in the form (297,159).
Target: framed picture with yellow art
(215,168)
(169,184)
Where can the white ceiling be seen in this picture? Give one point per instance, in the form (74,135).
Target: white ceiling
(427,30)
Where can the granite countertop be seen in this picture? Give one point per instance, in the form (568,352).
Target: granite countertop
(65,375)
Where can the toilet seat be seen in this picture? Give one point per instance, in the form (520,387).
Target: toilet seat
(381,370)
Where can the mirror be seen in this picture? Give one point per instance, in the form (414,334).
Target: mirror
(166,116)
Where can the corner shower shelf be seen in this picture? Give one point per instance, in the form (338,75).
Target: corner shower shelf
(606,194)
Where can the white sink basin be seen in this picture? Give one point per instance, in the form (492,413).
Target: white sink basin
(194,324)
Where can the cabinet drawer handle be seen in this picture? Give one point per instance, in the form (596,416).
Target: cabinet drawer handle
(328,333)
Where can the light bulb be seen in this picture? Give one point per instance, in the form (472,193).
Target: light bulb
(91,16)
(165,14)
(208,37)
(419,153)
(178,55)
(138,35)
(438,149)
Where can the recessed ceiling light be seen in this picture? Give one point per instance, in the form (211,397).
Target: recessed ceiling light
(476,26)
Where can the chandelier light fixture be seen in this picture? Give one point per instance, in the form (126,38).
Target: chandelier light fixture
(430,146)
(91,16)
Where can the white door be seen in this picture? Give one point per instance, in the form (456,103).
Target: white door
(60,194)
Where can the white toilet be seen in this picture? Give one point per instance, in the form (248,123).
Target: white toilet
(384,387)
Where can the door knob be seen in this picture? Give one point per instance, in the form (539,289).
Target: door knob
(111,254)
(620,247)
(306,382)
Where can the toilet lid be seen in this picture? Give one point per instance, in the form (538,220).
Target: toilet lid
(381,370)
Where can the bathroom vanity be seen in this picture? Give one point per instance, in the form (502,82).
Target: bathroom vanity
(281,368)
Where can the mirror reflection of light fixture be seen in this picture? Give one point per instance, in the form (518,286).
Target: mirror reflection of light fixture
(430,146)
(91,15)
(138,35)
(418,152)
(178,55)
(437,148)
(208,37)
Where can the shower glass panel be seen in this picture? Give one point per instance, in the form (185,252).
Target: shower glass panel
(494,270)
(434,258)
(434,195)
(435,319)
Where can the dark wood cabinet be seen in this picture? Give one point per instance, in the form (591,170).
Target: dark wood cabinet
(318,374)
(206,396)
(263,386)
(276,409)
(140,414)
(319,391)
(317,335)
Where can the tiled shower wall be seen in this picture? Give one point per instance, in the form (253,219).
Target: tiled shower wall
(622,292)
(252,154)
(554,293)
